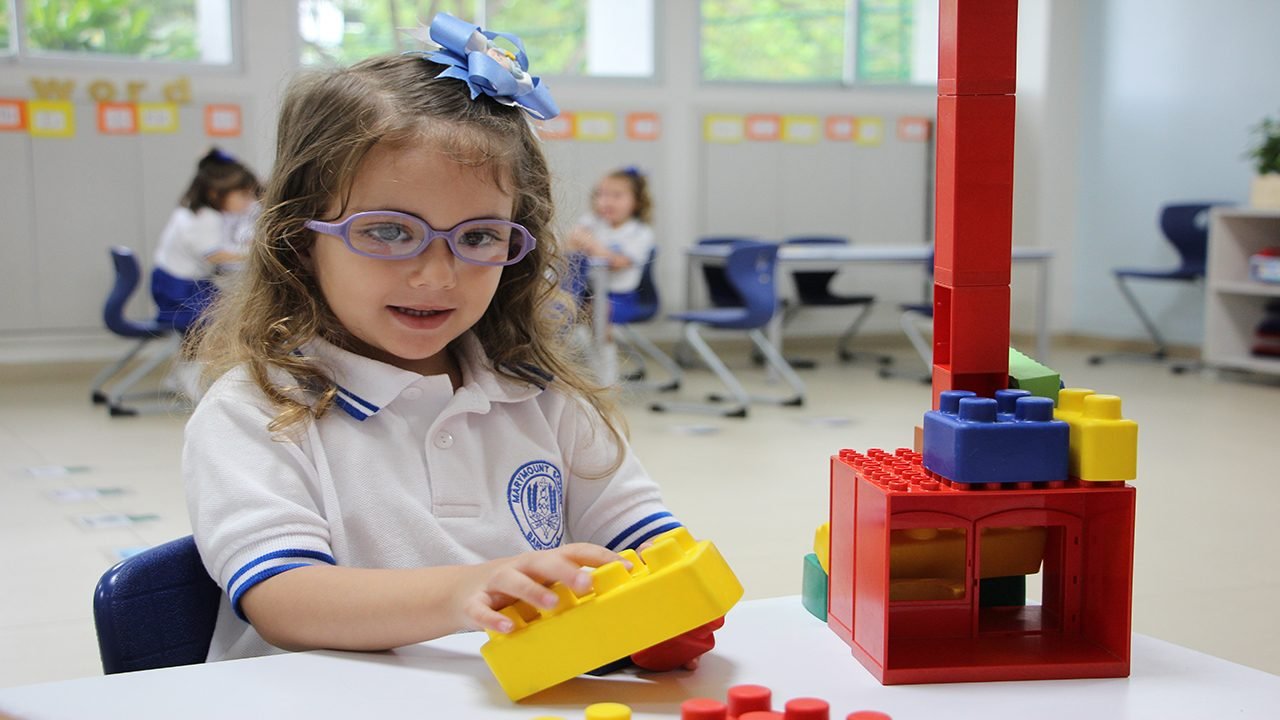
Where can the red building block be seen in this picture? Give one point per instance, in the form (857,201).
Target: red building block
(984,384)
(1081,629)
(974,202)
(971,330)
(977,49)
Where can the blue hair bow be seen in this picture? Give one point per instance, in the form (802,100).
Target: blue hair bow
(473,58)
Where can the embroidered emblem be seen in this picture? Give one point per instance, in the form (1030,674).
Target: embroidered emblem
(536,498)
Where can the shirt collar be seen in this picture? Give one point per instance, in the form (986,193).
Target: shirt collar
(365,386)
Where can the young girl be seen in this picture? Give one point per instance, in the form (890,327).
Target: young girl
(618,229)
(397,446)
(197,238)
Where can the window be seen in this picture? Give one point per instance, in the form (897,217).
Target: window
(5,49)
(563,37)
(820,41)
(168,30)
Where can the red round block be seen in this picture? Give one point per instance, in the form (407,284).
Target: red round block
(703,709)
(762,715)
(749,698)
(807,709)
(868,715)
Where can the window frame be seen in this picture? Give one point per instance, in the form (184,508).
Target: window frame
(849,58)
(20,55)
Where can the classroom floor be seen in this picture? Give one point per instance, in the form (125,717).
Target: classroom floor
(79,489)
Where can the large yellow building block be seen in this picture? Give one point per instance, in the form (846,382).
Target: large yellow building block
(822,546)
(675,585)
(1104,445)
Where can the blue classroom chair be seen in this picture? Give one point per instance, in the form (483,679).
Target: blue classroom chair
(641,306)
(128,274)
(813,289)
(156,609)
(751,270)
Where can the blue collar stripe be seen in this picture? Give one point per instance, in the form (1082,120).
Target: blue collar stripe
(368,407)
(351,410)
(615,543)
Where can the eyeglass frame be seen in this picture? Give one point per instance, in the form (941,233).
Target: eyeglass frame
(343,230)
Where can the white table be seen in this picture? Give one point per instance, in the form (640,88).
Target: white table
(769,642)
(827,257)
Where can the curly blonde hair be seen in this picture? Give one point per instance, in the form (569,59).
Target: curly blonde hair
(329,121)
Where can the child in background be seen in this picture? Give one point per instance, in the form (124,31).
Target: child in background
(397,445)
(197,238)
(618,229)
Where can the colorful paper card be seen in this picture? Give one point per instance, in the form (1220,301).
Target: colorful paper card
(763,128)
(869,131)
(840,128)
(595,126)
(13,115)
(559,127)
(914,129)
(155,118)
(51,118)
(117,118)
(801,129)
(222,120)
(643,126)
(721,128)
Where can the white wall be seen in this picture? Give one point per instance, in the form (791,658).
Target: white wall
(1171,89)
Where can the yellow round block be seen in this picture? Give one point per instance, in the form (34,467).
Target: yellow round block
(608,711)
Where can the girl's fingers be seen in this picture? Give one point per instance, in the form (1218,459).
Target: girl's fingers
(517,584)
(486,618)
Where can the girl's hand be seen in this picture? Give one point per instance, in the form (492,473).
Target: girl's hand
(500,583)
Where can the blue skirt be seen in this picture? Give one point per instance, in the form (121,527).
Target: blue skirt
(180,300)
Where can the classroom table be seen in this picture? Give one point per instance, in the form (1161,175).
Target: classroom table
(827,257)
(772,642)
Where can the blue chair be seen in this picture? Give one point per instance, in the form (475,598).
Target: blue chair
(751,271)
(813,289)
(1186,227)
(912,316)
(128,274)
(641,306)
(156,609)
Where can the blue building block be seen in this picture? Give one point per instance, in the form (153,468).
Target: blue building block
(969,440)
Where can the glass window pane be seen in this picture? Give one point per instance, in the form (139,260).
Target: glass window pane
(885,33)
(554,32)
(173,30)
(773,40)
(342,32)
(4,28)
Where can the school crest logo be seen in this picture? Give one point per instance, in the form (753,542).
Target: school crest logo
(536,498)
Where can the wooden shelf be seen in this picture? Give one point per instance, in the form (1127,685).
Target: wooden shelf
(1235,303)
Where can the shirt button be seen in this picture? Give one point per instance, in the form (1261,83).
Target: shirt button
(444,440)
(412,393)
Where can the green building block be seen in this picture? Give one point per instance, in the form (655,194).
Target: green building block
(1027,374)
(814,592)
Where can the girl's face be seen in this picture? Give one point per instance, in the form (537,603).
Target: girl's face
(614,200)
(238,202)
(406,312)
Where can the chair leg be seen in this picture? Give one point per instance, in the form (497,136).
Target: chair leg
(922,347)
(779,363)
(842,345)
(102,378)
(118,396)
(739,395)
(1162,349)
(646,346)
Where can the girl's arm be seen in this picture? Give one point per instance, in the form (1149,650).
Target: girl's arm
(341,608)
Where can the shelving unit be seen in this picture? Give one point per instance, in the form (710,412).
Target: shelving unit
(1234,303)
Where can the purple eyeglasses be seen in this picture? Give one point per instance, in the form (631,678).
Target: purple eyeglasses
(390,235)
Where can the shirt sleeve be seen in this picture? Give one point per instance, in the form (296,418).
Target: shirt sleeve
(638,246)
(205,235)
(619,509)
(255,504)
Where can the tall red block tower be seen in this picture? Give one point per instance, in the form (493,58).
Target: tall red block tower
(977,74)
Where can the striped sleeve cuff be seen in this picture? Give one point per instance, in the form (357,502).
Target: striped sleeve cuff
(269,565)
(635,534)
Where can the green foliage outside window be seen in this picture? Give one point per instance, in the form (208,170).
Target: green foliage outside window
(884,41)
(4,29)
(155,30)
(554,32)
(773,40)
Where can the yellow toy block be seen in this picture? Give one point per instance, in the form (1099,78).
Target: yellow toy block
(1104,445)
(608,711)
(822,546)
(681,584)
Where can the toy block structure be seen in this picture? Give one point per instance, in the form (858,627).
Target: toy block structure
(911,551)
(674,585)
(1104,445)
(1027,374)
(968,440)
(755,702)
(813,592)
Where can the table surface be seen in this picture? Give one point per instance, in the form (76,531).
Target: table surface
(857,253)
(770,642)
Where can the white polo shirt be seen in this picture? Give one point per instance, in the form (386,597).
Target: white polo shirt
(633,239)
(407,473)
(187,241)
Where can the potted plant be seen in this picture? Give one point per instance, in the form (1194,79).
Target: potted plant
(1265,154)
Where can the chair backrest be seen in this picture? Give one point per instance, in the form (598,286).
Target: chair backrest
(719,289)
(751,269)
(642,304)
(1186,226)
(156,609)
(813,286)
(128,274)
